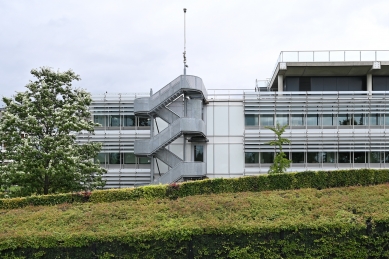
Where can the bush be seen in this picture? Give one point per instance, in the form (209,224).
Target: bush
(289,181)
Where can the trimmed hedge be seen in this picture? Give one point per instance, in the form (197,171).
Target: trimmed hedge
(288,181)
(326,241)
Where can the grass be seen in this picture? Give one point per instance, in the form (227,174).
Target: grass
(157,218)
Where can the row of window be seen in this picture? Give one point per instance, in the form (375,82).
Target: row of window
(320,157)
(121,120)
(120,158)
(316,119)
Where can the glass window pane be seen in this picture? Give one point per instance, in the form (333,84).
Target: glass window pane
(386,157)
(114,158)
(359,119)
(129,120)
(328,157)
(199,153)
(282,119)
(251,119)
(313,119)
(144,121)
(266,120)
(298,157)
(312,157)
(129,158)
(344,157)
(251,157)
(114,120)
(359,157)
(100,159)
(329,119)
(344,119)
(375,157)
(144,160)
(297,120)
(100,119)
(374,119)
(387,119)
(267,157)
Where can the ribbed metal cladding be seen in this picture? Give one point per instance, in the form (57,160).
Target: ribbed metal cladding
(118,139)
(317,138)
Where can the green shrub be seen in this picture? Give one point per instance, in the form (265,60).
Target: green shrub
(309,179)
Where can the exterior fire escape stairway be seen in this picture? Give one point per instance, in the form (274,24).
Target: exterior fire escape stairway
(191,124)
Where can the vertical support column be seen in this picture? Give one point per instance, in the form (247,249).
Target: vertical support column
(369,83)
(280,83)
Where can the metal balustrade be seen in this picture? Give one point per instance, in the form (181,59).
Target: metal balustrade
(156,106)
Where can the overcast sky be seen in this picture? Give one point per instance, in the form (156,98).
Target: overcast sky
(132,46)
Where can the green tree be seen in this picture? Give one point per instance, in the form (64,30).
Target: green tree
(281,163)
(38,128)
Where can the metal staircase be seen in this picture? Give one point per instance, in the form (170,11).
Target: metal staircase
(191,124)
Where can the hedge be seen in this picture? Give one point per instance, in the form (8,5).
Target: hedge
(326,241)
(288,181)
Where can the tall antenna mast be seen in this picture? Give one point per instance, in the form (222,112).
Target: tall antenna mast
(185,65)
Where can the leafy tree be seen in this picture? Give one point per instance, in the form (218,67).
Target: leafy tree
(38,128)
(281,163)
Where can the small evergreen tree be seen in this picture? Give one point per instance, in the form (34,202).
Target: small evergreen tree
(281,163)
(38,128)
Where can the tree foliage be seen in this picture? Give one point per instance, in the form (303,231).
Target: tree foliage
(38,129)
(281,163)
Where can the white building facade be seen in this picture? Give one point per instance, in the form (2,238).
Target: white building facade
(335,104)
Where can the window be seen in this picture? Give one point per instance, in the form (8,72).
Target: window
(297,120)
(328,157)
(313,157)
(359,119)
(329,119)
(282,119)
(129,121)
(359,157)
(313,120)
(387,119)
(251,119)
(100,119)
(114,158)
(344,157)
(129,158)
(142,121)
(375,157)
(344,119)
(199,153)
(375,119)
(114,120)
(297,157)
(251,157)
(144,160)
(267,157)
(267,120)
(100,158)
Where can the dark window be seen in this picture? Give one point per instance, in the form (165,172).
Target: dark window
(380,83)
(114,158)
(144,160)
(342,83)
(100,119)
(328,157)
(329,119)
(114,121)
(142,121)
(129,120)
(267,157)
(305,84)
(297,120)
(329,84)
(100,159)
(251,120)
(344,157)
(292,84)
(317,84)
(313,119)
(345,119)
(312,157)
(129,158)
(199,153)
(359,157)
(267,120)
(359,119)
(251,157)
(375,157)
(298,157)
